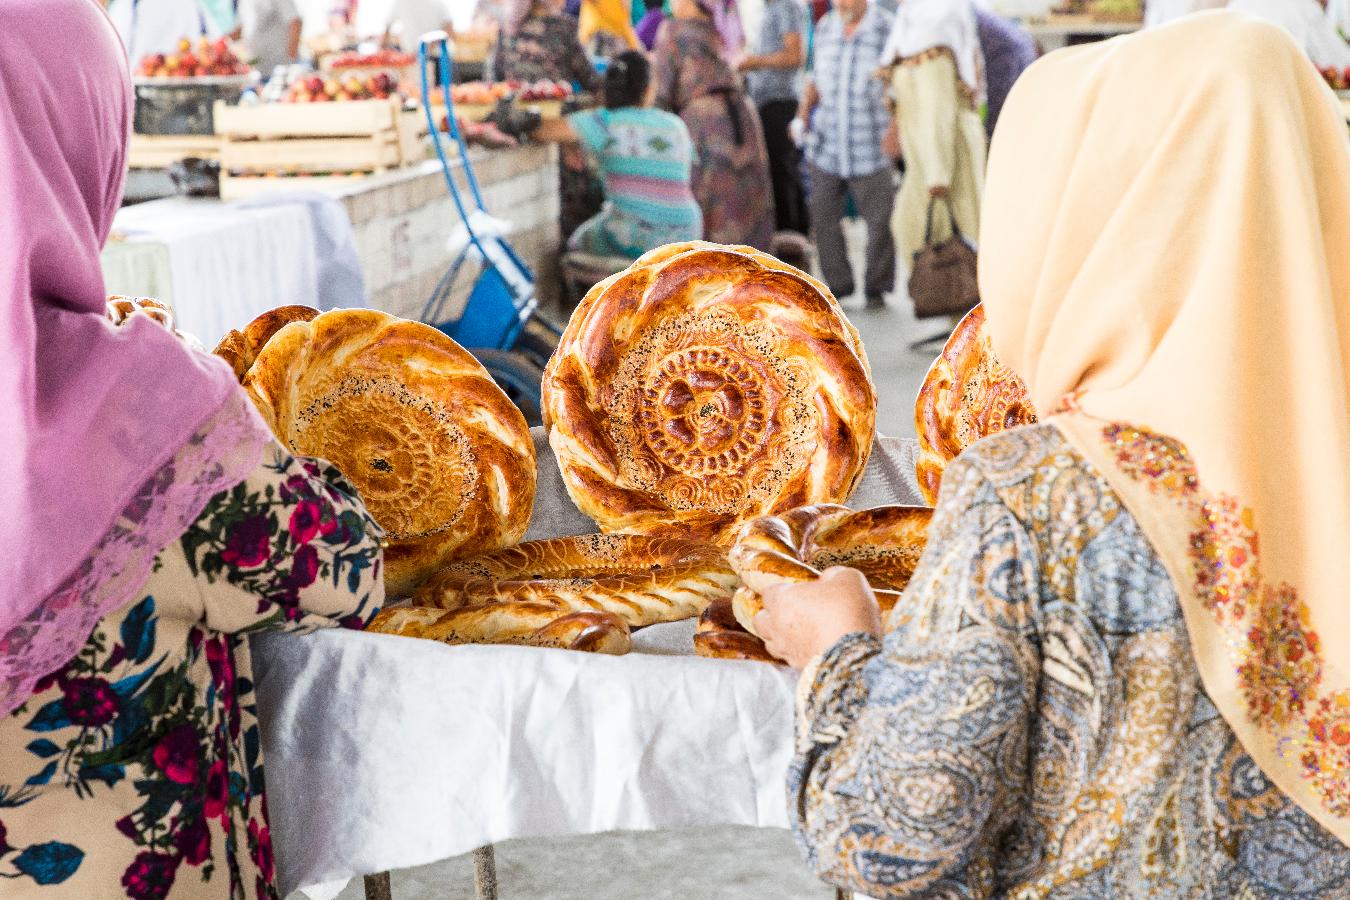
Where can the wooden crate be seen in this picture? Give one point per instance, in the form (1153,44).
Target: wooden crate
(299,138)
(239,187)
(373,153)
(354,118)
(159,151)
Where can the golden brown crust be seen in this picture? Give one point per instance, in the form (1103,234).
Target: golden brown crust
(441,457)
(644,580)
(118,308)
(720,636)
(703,387)
(883,543)
(528,624)
(241,348)
(967,395)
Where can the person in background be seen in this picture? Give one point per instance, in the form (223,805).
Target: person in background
(731,170)
(605,27)
(1307,21)
(1122,666)
(844,110)
(539,43)
(152,524)
(270,29)
(651,22)
(401,23)
(156,26)
(772,76)
(1159,12)
(937,88)
(645,159)
(1007,50)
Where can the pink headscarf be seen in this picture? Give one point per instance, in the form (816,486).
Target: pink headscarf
(726,18)
(99,468)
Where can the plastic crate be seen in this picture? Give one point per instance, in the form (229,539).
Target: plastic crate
(183,105)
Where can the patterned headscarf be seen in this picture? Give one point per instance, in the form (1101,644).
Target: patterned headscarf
(1163,259)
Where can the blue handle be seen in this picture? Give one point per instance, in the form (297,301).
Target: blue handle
(440,39)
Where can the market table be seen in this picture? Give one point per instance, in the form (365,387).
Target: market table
(386,752)
(220,264)
(217,264)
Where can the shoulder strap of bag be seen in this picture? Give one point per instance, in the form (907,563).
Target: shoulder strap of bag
(951,215)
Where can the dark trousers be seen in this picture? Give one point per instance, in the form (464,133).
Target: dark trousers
(789,200)
(874,196)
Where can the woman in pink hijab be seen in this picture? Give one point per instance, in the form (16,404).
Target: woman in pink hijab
(149,522)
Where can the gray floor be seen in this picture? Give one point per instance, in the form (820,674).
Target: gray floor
(706,863)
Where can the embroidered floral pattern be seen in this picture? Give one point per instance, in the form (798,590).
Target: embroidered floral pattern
(1282,661)
(1277,654)
(1224,554)
(1326,755)
(1158,461)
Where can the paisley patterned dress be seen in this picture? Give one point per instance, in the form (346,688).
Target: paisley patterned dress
(136,770)
(1033,724)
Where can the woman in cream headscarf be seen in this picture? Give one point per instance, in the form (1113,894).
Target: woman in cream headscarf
(1122,668)
(937,87)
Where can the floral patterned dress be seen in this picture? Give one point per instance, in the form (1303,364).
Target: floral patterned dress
(136,769)
(1033,725)
(731,169)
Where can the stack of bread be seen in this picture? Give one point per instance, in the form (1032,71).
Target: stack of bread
(708,408)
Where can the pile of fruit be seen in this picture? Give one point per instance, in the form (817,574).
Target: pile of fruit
(381,59)
(481,93)
(318,89)
(1339,79)
(209,58)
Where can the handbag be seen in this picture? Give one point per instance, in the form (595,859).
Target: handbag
(942,279)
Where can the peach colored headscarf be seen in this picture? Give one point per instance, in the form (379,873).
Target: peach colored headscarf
(1166,245)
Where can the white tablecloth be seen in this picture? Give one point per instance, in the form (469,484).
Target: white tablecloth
(386,752)
(225,263)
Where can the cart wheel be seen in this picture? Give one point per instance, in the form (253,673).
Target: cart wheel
(519,377)
(536,343)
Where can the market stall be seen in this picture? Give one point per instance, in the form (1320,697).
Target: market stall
(440,750)
(219,264)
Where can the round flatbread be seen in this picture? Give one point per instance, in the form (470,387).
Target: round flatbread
(967,395)
(441,457)
(706,386)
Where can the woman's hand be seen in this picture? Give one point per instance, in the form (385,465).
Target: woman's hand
(801,621)
(939,192)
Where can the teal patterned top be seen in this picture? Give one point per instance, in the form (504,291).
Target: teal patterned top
(644,157)
(1033,725)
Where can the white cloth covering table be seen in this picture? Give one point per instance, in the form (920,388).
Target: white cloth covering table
(226,263)
(385,752)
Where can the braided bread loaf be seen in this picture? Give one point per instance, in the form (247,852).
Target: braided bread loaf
(441,457)
(967,395)
(703,387)
(720,636)
(240,348)
(528,624)
(643,580)
(884,544)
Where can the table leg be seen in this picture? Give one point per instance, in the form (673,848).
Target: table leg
(377,887)
(485,873)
